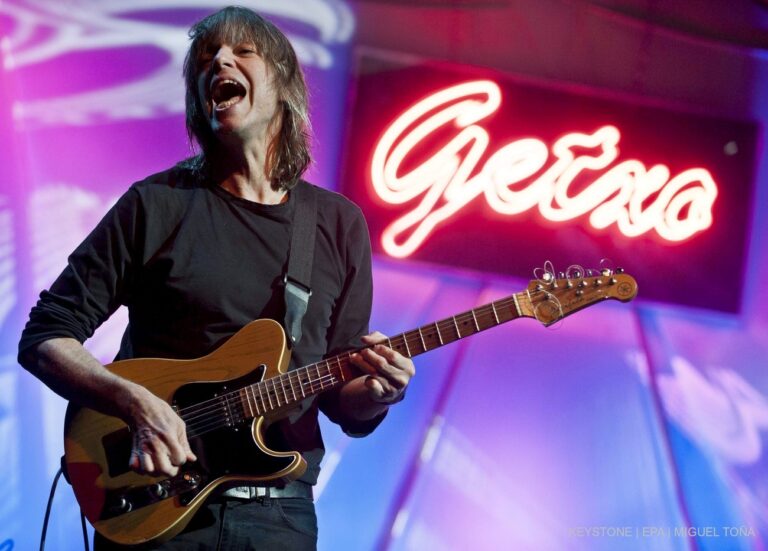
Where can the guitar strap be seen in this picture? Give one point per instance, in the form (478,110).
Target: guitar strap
(298,277)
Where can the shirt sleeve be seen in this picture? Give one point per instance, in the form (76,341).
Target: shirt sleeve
(95,281)
(351,317)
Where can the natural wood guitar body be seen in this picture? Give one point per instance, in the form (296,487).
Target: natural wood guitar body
(97,446)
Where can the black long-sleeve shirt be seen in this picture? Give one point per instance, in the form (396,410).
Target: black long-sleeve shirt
(194,263)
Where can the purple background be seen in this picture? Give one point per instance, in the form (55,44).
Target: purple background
(646,417)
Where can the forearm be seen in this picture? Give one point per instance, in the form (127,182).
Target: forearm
(159,436)
(66,367)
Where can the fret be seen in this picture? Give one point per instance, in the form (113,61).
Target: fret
(247,400)
(495,315)
(423,344)
(439,336)
(319,377)
(282,386)
(255,400)
(407,349)
(517,305)
(290,384)
(389,343)
(331,376)
(341,366)
(456,325)
(274,389)
(474,318)
(269,398)
(324,378)
(301,383)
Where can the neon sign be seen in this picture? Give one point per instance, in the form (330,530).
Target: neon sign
(634,197)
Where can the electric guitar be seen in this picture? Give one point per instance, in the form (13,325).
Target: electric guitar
(230,396)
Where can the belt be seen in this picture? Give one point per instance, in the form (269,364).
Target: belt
(294,489)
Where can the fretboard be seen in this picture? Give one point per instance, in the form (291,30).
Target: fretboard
(289,388)
(286,391)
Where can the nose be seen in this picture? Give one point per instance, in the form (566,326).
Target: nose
(224,57)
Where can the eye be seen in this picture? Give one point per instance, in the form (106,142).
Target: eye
(206,56)
(246,49)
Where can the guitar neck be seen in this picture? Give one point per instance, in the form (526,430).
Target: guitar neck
(285,391)
(546,299)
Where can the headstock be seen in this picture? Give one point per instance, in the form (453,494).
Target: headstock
(549,298)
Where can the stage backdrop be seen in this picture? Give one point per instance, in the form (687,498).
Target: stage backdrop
(442,155)
(637,426)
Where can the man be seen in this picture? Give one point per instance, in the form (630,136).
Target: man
(198,251)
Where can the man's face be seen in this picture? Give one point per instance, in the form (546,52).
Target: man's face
(235,87)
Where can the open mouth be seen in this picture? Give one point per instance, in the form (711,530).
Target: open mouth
(226,93)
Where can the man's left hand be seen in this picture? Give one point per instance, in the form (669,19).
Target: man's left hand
(389,372)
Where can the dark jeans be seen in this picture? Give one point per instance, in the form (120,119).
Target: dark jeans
(285,524)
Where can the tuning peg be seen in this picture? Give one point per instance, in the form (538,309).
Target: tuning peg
(619,271)
(606,272)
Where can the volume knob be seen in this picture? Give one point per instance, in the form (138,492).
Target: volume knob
(122,505)
(158,490)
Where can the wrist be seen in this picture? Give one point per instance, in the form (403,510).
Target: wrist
(130,399)
(388,402)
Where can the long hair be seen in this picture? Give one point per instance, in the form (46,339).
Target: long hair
(288,152)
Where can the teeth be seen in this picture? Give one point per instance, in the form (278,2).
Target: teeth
(227,104)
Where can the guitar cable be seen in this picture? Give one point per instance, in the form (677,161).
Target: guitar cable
(44,533)
(48,508)
(85,531)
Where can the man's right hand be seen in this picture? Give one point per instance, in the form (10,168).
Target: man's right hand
(160,442)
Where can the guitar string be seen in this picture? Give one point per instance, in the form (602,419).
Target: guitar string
(212,422)
(227,401)
(193,412)
(193,416)
(196,415)
(236,410)
(261,391)
(238,415)
(205,425)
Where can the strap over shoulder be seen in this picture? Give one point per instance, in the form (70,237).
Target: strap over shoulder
(297,279)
